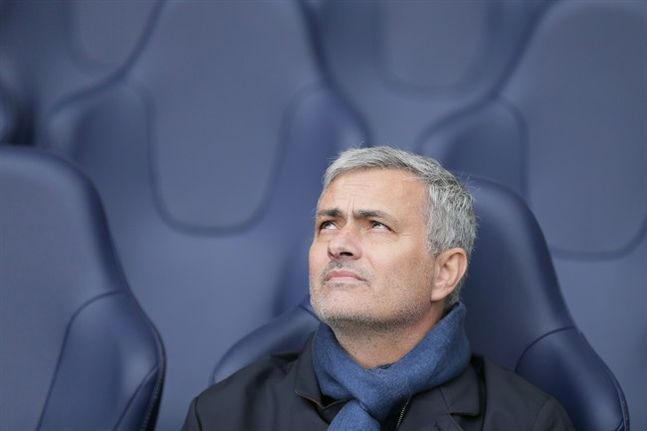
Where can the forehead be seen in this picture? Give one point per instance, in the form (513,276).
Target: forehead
(376,189)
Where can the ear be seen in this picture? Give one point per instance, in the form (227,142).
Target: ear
(449,266)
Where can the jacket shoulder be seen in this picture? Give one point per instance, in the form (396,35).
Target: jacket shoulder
(268,368)
(514,403)
(227,402)
(271,370)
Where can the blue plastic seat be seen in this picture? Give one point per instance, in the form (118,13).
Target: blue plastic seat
(49,49)
(516,317)
(567,131)
(77,352)
(7,116)
(208,150)
(406,66)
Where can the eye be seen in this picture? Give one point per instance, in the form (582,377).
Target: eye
(327,225)
(379,226)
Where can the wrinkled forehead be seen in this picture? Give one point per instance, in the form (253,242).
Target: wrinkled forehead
(376,187)
(378,171)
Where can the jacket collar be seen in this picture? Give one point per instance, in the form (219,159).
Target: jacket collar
(305,380)
(462,395)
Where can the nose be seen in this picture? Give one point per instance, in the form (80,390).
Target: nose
(344,246)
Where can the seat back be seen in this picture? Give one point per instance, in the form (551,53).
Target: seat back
(406,66)
(511,276)
(48,49)
(516,317)
(77,352)
(7,116)
(567,132)
(208,150)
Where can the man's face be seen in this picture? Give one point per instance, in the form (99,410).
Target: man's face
(369,260)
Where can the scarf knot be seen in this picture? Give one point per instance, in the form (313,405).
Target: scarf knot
(439,357)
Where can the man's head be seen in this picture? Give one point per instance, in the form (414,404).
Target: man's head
(393,235)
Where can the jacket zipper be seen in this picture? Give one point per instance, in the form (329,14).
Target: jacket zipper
(404,408)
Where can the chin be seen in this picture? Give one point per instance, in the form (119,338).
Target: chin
(342,316)
(334,309)
(358,324)
(338,304)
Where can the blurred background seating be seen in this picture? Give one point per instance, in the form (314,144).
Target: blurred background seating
(49,49)
(77,352)
(205,127)
(208,149)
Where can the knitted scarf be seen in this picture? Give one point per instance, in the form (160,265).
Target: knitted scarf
(440,356)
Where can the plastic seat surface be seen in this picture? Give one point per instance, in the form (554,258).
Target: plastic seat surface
(77,352)
(50,48)
(567,132)
(208,150)
(406,66)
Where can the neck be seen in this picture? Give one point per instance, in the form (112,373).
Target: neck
(372,345)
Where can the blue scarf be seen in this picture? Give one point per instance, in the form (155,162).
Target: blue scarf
(440,356)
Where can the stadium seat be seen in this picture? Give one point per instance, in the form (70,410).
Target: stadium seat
(7,117)
(405,66)
(205,126)
(516,317)
(567,131)
(77,352)
(50,48)
(208,150)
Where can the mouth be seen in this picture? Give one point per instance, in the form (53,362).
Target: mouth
(343,276)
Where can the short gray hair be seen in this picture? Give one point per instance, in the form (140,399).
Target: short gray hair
(450,220)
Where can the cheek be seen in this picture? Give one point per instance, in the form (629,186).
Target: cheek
(411,270)
(401,260)
(316,259)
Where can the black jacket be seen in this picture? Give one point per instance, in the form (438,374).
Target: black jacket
(281,393)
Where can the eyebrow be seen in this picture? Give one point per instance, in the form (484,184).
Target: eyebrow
(359,214)
(334,212)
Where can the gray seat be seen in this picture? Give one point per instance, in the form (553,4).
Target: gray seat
(567,132)
(7,116)
(406,66)
(50,48)
(208,150)
(77,352)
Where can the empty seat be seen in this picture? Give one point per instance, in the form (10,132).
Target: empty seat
(567,132)
(406,66)
(516,317)
(50,48)
(208,151)
(77,352)
(7,117)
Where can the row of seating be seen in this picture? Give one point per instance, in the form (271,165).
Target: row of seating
(82,355)
(205,127)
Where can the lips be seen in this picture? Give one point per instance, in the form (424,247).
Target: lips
(343,275)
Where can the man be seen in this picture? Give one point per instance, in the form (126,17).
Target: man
(393,235)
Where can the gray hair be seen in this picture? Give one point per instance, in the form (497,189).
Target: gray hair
(450,219)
